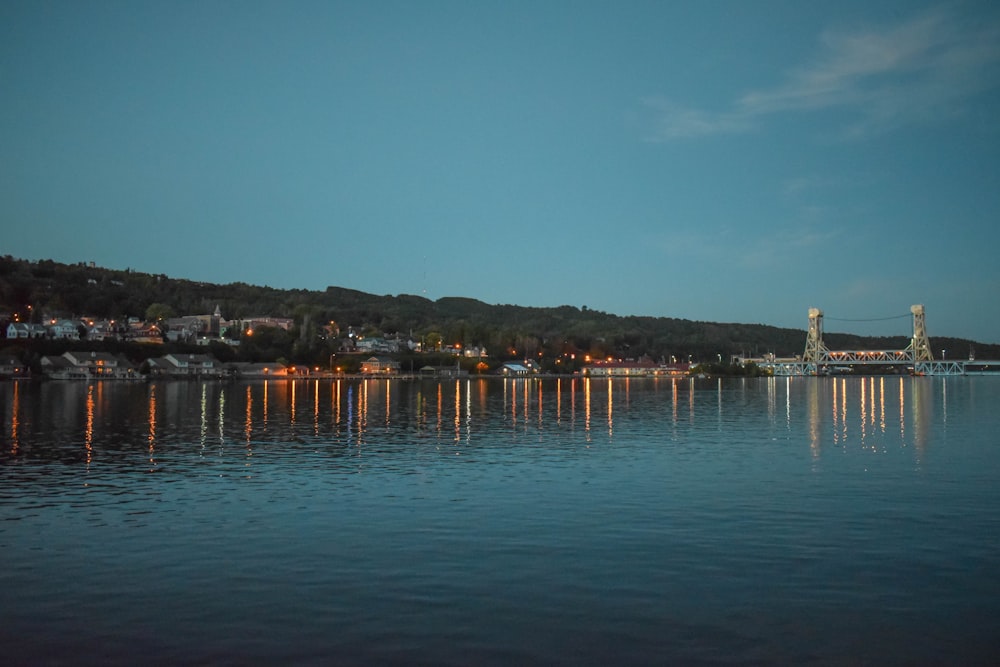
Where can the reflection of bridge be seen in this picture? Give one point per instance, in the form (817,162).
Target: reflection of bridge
(916,357)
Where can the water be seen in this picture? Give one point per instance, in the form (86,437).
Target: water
(494,522)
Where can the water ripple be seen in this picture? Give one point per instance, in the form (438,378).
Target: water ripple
(799,521)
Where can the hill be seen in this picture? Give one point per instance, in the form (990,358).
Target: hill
(51,289)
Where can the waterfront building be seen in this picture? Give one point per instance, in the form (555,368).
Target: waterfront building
(76,365)
(379,366)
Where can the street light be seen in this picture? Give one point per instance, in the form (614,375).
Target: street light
(331,361)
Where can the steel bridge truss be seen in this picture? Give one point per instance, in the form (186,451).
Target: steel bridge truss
(870,357)
(818,355)
(820,360)
(941,368)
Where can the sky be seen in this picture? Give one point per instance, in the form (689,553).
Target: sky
(714,161)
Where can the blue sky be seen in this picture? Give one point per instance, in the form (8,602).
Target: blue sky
(719,161)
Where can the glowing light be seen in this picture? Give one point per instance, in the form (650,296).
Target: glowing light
(151,439)
(15,419)
(88,437)
(248,423)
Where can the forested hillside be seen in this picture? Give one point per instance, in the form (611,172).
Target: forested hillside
(50,289)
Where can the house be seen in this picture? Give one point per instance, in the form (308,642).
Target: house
(379,366)
(26,330)
(378,345)
(75,365)
(514,369)
(185,365)
(145,333)
(99,330)
(469,352)
(60,368)
(64,329)
(10,367)
(102,364)
(443,371)
(185,329)
(475,351)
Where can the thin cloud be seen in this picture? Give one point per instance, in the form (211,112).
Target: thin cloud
(921,70)
(749,250)
(867,289)
(799,184)
(673,121)
(775,248)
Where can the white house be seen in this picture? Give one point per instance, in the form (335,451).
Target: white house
(65,329)
(25,330)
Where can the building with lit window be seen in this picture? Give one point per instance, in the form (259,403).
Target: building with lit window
(379,366)
(632,368)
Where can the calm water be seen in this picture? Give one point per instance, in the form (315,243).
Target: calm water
(498,522)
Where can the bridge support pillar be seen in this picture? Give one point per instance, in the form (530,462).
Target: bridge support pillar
(920,344)
(815,351)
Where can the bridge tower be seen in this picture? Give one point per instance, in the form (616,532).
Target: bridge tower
(919,344)
(816,350)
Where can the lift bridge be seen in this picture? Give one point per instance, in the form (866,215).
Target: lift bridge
(916,357)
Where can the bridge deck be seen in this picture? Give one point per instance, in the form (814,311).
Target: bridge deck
(958,367)
(880,357)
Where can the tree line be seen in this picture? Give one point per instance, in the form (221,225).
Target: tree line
(559,338)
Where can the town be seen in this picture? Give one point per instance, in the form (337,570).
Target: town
(356,354)
(137,325)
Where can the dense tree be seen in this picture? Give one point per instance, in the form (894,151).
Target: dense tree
(30,289)
(158,311)
(266,344)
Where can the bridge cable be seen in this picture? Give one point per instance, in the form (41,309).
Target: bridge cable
(870,319)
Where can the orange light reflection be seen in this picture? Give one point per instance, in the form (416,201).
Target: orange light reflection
(89,432)
(152,426)
(15,419)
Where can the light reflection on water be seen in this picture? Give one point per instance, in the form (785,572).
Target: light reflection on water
(872,413)
(469,521)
